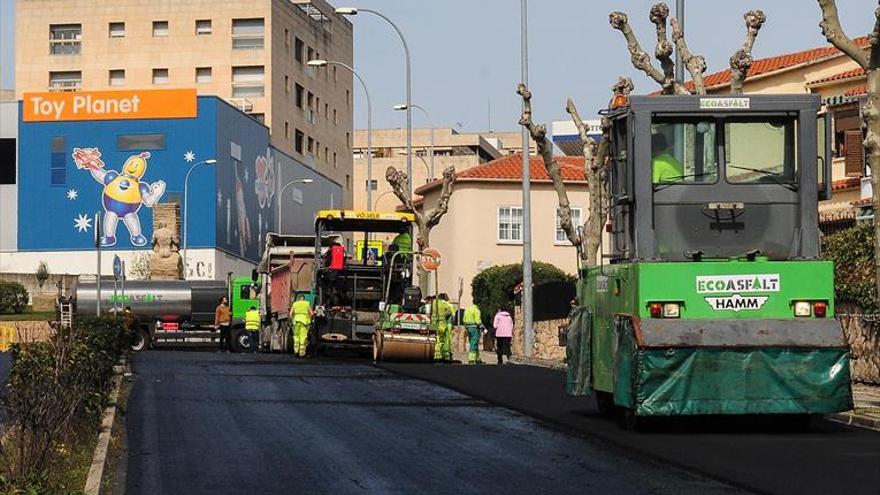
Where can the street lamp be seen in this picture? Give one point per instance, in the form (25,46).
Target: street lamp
(428,175)
(189,172)
(324,63)
(356,11)
(281,194)
(430,123)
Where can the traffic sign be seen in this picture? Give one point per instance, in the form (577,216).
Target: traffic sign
(117,267)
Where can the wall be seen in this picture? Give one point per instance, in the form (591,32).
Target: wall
(467,236)
(9,192)
(301,201)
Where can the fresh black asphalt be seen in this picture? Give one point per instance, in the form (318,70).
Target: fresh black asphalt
(210,423)
(759,455)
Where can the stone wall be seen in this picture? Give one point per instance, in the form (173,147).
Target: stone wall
(546,338)
(25,332)
(41,298)
(863,335)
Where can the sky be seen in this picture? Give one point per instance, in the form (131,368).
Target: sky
(466,53)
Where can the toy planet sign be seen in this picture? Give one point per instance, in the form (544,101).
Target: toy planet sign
(109,105)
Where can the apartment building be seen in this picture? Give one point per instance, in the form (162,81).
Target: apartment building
(252,53)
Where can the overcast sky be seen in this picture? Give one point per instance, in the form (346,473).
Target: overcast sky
(466,53)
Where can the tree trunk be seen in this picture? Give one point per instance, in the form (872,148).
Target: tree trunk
(423,241)
(871,117)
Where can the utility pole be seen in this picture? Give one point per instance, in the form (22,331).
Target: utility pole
(528,332)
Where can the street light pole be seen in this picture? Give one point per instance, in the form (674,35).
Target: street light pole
(323,63)
(281,195)
(427,168)
(528,332)
(679,14)
(355,11)
(431,124)
(186,205)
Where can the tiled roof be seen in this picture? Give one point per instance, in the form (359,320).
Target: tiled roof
(509,169)
(848,183)
(840,76)
(779,62)
(861,90)
(862,202)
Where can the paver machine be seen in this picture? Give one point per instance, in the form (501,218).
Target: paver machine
(354,297)
(714,298)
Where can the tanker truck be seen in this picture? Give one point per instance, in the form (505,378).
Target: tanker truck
(175,312)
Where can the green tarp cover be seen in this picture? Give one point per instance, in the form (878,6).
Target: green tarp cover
(735,381)
(578,352)
(625,358)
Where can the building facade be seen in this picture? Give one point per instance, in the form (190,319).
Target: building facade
(252,53)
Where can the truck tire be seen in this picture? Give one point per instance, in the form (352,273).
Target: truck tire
(141,341)
(241,340)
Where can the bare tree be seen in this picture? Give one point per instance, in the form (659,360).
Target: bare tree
(595,172)
(869,60)
(695,64)
(425,220)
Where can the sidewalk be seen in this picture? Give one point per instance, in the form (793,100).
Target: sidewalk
(866,412)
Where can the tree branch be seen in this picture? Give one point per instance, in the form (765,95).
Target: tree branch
(741,60)
(834,33)
(663,50)
(640,59)
(874,59)
(400,186)
(432,218)
(695,64)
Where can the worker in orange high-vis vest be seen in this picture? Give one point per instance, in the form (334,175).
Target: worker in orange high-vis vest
(301,317)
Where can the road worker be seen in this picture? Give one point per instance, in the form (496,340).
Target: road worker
(665,168)
(473,323)
(301,317)
(252,327)
(403,241)
(441,314)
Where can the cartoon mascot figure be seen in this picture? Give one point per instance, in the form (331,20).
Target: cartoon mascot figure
(124,192)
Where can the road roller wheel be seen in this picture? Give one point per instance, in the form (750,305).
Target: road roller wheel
(141,341)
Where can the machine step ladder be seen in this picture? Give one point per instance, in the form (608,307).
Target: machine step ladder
(66,315)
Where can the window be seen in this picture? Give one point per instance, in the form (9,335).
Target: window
(247,34)
(203,74)
(287,130)
(7,160)
(683,152)
(311,146)
(117,77)
(65,80)
(204,27)
(160,28)
(64,39)
(140,142)
(117,29)
(58,162)
(347,181)
(348,139)
(335,117)
(760,151)
(298,138)
(298,47)
(287,38)
(259,117)
(327,111)
(347,98)
(160,76)
(287,84)
(561,238)
(371,185)
(335,161)
(510,224)
(299,96)
(247,81)
(326,154)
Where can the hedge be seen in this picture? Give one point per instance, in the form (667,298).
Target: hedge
(13,298)
(493,288)
(852,251)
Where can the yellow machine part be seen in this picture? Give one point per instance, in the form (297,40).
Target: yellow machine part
(388,346)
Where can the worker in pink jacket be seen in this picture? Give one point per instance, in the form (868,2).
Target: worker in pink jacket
(503,324)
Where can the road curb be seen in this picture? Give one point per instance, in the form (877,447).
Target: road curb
(852,419)
(99,459)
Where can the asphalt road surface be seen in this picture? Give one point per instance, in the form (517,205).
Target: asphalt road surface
(752,453)
(5,364)
(201,422)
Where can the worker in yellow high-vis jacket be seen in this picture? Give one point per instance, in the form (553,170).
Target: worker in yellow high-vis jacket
(665,168)
(473,323)
(301,317)
(441,314)
(252,327)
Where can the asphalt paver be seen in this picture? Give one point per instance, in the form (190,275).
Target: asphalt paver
(201,422)
(761,454)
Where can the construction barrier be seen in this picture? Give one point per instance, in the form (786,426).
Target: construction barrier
(7,337)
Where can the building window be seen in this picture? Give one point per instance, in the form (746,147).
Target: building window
(335,117)
(204,27)
(287,130)
(311,146)
(117,77)
(335,161)
(348,139)
(348,98)
(510,224)
(298,138)
(347,181)
(203,74)
(117,30)
(64,39)
(247,34)
(7,161)
(327,111)
(160,76)
(259,117)
(371,185)
(287,84)
(160,28)
(247,81)
(65,80)
(58,162)
(561,238)
(326,154)
(142,142)
(299,96)
(287,38)
(298,47)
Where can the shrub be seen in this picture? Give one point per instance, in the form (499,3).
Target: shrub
(852,251)
(493,288)
(13,298)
